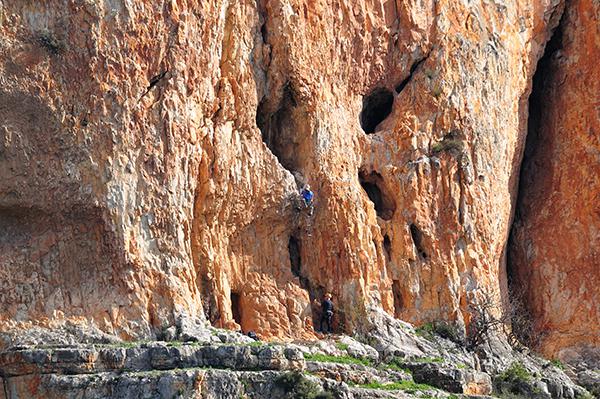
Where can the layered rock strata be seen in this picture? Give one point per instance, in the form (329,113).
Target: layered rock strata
(343,368)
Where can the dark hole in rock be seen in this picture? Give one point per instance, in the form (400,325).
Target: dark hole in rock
(398,300)
(315,292)
(372,183)
(277,128)
(376,107)
(417,237)
(236,308)
(387,246)
(294,251)
(263,32)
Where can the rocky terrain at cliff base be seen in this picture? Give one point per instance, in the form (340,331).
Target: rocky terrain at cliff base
(197,361)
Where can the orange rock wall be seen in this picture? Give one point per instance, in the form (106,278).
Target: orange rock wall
(97,173)
(554,248)
(445,159)
(151,153)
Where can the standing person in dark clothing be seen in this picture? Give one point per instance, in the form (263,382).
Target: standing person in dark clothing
(326,313)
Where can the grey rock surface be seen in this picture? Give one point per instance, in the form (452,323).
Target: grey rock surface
(590,380)
(397,361)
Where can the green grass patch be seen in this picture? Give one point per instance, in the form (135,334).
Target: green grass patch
(557,363)
(515,373)
(129,344)
(295,385)
(441,328)
(425,330)
(396,364)
(320,357)
(341,346)
(436,359)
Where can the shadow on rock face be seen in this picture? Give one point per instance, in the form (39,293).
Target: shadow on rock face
(56,249)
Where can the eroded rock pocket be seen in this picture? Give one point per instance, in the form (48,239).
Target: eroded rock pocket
(295,259)
(387,246)
(236,307)
(417,237)
(277,128)
(398,299)
(377,106)
(374,186)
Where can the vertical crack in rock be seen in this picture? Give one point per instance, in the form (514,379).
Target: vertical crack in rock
(377,106)
(518,274)
(417,237)
(398,300)
(314,291)
(541,79)
(529,168)
(374,186)
(277,128)
(209,299)
(236,307)
(387,246)
(412,71)
(295,259)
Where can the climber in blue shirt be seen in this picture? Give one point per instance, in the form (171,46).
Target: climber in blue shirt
(308,196)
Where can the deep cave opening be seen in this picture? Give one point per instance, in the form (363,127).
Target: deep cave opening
(417,237)
(294,252)
(236,307)
(384,204)
(398,300)
(277,128)
(377,106)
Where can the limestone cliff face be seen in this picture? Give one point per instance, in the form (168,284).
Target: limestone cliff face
(554,247)
(152,153)
(100,111)
(408,122)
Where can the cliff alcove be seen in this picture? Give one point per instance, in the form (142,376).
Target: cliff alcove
(398,300)
(387,246)
(377,106)
(278,130)
(417,237)
(373,184)
(236,307)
